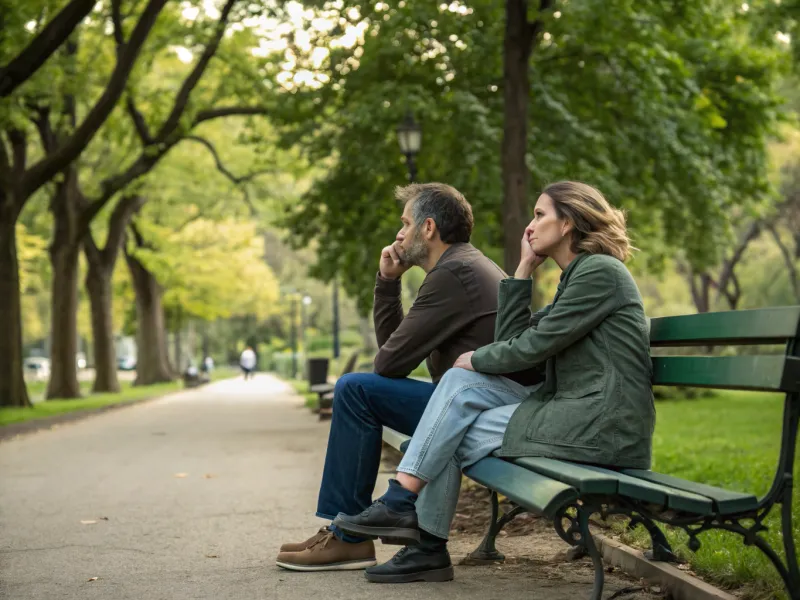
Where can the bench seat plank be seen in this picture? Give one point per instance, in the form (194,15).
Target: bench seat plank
(656,493)
(725,502)
(398,441)
(535,492)
(586,481)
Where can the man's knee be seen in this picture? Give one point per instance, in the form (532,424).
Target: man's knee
(351,387)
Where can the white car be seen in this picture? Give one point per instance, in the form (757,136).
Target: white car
(36,368)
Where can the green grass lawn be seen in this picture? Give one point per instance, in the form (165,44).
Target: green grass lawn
(56,407)
(731,440)
(42,409)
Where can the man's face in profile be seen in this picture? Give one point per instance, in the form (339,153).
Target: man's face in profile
(411,246)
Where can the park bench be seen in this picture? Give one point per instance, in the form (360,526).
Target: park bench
(324,391)
(568,493)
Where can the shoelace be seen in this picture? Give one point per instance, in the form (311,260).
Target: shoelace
(403,551)
(325,540)
(365,512)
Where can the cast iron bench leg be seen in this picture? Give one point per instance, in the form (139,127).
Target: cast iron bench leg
(587,541)
(487,552)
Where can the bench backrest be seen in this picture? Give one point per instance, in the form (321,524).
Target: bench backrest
(767,372)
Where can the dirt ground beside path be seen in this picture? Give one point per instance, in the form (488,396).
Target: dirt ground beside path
(190,496)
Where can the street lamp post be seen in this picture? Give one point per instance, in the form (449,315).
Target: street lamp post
(409,136)
(336,348)
(293,336)
(303,323)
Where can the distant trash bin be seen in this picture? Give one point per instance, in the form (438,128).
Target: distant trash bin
(317,369)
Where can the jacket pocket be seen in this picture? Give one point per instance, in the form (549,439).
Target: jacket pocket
(571,419)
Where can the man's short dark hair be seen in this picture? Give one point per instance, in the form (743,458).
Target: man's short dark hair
(444,204)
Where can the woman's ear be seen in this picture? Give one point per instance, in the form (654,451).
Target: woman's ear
(567,228)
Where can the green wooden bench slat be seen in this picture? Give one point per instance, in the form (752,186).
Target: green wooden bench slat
(526,488)
(758,373)
(656,493)
(758,326)
(585,481)
(395,439)
(725,502)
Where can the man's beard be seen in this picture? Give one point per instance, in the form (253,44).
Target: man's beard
(417,252)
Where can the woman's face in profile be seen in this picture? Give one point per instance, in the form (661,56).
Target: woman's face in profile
(546,229)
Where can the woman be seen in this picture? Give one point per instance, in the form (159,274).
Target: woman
(595,405)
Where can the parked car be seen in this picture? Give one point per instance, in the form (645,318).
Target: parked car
(126,363)
(36,368)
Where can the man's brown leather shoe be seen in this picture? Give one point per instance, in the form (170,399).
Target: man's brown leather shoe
(300,546)
(329,553)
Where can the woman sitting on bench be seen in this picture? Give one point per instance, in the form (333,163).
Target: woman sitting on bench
(595,405)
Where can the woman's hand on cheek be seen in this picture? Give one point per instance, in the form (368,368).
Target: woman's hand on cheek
(465,361)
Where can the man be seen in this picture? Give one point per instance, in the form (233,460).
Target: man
(248,362)
(454,313)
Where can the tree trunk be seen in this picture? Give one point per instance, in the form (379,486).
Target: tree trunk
(516,87)
(98,285)
(64,252)
(152,365)
(12,384)
(64,327)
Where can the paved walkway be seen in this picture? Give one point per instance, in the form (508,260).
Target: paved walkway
(187,497)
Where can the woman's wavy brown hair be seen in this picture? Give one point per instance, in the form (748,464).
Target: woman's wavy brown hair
(598,227)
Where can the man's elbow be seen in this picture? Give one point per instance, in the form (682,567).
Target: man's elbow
(386,367)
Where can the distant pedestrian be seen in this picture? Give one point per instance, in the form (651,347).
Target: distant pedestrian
(248,362)
(208,365)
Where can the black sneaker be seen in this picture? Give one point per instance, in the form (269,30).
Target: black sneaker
(379,521)
(413,563)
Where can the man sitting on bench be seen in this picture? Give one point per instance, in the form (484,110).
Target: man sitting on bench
(596,405)
(454,313)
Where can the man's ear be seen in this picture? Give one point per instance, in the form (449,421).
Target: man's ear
(429,228)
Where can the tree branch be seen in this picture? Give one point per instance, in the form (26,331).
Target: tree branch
(44,170)
(787,259)
(19,149)
(535,28)
(146,160)
(224,170)
(120,217)
(182,99)
(750,233)
(229,111)
(221,167)
(138,121)
(42,47)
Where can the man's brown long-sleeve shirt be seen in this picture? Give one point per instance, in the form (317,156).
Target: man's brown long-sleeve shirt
(454,313)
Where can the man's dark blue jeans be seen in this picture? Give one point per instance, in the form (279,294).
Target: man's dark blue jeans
(362,404)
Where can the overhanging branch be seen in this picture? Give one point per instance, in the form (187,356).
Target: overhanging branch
(42,47)
(229,111)
(44,170)
(182,99)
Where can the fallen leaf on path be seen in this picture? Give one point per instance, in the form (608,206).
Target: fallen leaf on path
(208,476)
(93,579)
(88,522)
(181,475)
(104,518)
(212,556)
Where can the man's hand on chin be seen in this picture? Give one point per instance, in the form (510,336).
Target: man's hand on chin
(392,265)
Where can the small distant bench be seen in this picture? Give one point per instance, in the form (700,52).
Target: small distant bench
(324,391)
(568,493)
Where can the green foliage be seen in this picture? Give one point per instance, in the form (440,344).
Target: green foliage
(665,108)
